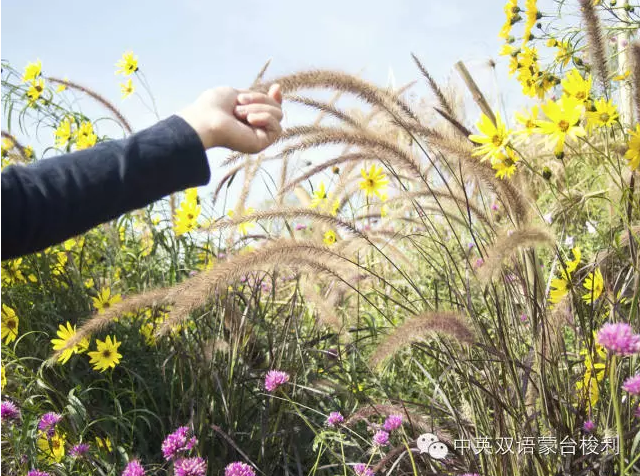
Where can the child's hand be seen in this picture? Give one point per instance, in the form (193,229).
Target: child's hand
(244,121)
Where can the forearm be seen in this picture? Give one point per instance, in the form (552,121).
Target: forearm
(54,199)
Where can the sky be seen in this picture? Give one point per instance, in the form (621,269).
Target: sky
(187,46)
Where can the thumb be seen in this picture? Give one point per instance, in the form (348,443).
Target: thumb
(275,92)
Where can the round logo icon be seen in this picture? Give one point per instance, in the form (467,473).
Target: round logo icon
(438,450)
(429,443)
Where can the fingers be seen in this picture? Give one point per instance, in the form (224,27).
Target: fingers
(250,97)
(264,120)
(275,91)
(242,112)
(262,114)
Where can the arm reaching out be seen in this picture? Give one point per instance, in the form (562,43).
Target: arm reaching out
(54,199)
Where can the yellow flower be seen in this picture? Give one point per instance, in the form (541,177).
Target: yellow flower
(88,283)
(64,334)
(106,356)
(633,152)
(532,17)
(505,30)
(559,289)
(511,16)
(514,64)
(62,87)
(146,243)
(147,331)
(71,243)
(128,64)
(334,207)
(528,58)
(7,145)
(104,444)
(11,273)
(245,227)
(529,77)
(319,196)
(52,449)
(186,217)
(3,378)
(10,323)
(494,138)
(127,89)
(28,152)
(506,50)
(85,137)
(605,114)
(505,164)
(622,77)
(576,86)
(594,283)
(57,269)
(32,71)
(105,300)
(529,121)
(63,133)
(588,389)
(374,181)
(572,265)
(592,368)
(329,237)
(191,194)
(563,55)
(564,118)
(35,91)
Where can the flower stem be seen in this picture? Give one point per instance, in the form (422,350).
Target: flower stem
(616,411)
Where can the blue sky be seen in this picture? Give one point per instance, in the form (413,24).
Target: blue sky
(187,46)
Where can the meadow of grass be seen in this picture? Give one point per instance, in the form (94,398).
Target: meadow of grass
(446,291)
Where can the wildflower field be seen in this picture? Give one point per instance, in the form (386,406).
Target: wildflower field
(447,288)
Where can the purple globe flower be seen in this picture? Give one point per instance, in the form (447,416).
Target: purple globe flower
(632,385)
(619,339)
(588,426)
(362,469)
(393,422)
(381,438)
(274,379)
(178,442)
(48,423)
(335,419)
(238,469)
(80,450)
(300,226)
(134,468)
(190,467)
(35,472)
(9,411)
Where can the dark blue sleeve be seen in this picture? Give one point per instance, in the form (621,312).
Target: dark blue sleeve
(54,199)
